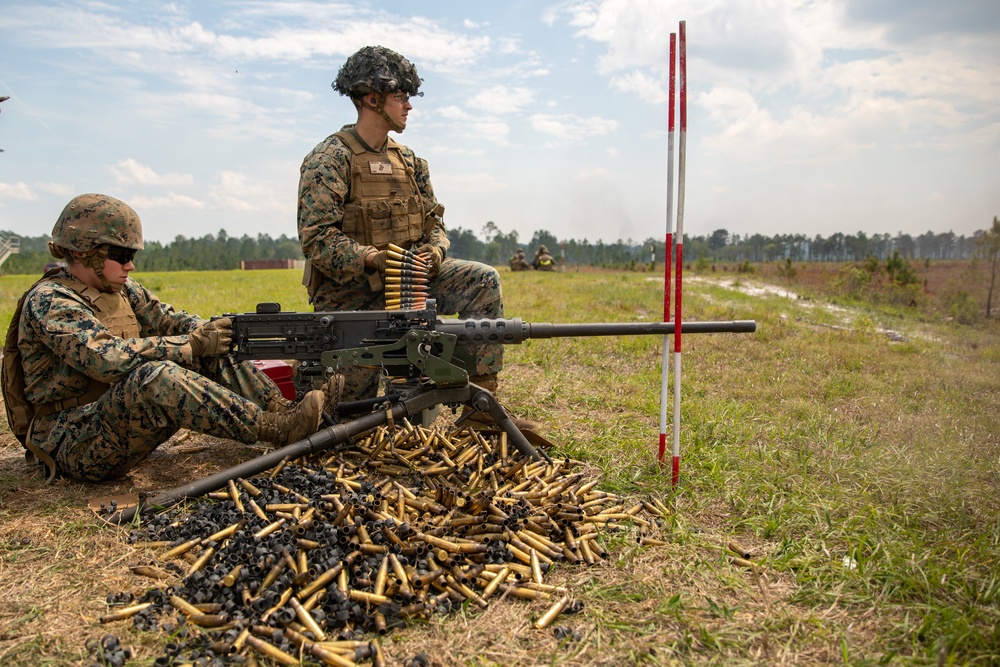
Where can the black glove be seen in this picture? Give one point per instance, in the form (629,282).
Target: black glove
(212,339)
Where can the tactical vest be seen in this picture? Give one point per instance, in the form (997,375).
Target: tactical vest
(112,310)
(384,204)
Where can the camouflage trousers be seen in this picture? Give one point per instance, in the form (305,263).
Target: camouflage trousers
(463,288)
(104,439)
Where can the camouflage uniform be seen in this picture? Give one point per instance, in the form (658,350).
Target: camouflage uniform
(340,280)
(518,262)
(157,386)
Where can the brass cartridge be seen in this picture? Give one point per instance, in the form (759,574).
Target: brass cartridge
(271,651)
(321,581)
(151,572)
(180,549)
(125,612)
(550,615)
(235,495)
(250,488)
(307,620)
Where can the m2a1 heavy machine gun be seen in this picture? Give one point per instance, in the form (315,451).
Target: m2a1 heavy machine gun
(426,358)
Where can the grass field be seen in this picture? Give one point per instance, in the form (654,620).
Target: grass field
(861,470)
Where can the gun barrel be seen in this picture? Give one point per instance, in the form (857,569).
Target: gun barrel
(547,330)
(515,330)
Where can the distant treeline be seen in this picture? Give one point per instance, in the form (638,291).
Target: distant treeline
(492,246)
(495,247)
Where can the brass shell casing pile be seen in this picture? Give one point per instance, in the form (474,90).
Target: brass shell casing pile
(406,523)
(406,278)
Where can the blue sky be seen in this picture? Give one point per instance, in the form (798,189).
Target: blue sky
(810,117)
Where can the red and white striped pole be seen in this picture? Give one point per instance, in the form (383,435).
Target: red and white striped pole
(669,250)
(682,65)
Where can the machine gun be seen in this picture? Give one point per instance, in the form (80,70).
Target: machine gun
(419,350)
(427,358)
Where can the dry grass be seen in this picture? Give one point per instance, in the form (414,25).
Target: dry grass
(805,443)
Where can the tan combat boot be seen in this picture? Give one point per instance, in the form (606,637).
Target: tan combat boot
(283,428)
(332,392)
(483,421)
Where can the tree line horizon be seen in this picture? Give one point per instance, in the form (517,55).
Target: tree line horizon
(493,246)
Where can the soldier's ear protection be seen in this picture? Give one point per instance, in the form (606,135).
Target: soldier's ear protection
(374,101)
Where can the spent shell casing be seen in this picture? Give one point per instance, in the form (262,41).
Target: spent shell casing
(250,488)
(125,612)
(536,567)
(743,562)
(497,581)
(230,579)
(321,581)
(208,620)
(307,619)
(363,596)
(235,495)
(271,651)
(550,615)
(202,559)
(180,549)
(739,549)
(151,572)
(184,606)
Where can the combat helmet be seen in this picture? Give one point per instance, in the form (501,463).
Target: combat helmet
(92,220)
(376,69)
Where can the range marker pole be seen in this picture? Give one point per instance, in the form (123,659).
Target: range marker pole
(682,62)
(668,249)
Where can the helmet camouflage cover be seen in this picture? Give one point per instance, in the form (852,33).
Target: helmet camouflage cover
(376,69)
(93,219)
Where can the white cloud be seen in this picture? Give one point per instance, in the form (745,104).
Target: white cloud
(240,192)
(59,189)
(473,183)
(20,191)
(641,84)
(595,173)
(129,171)
(503,99)
(166,200)
(573,128)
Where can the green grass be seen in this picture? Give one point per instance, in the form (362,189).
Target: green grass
(862,473)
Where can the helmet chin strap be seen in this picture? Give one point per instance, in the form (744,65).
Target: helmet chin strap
(94,259)
(379,108)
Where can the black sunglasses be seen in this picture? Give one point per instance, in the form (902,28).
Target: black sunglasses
(121,255)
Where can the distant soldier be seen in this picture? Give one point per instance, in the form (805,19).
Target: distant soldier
(518,262)
(98,372)
(360,190)
(543,261)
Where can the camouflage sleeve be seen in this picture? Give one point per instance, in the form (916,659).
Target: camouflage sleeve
(324,181)
(155,317)
(77,339)
(438,236)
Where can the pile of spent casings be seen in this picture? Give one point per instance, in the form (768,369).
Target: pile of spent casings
(408,522)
